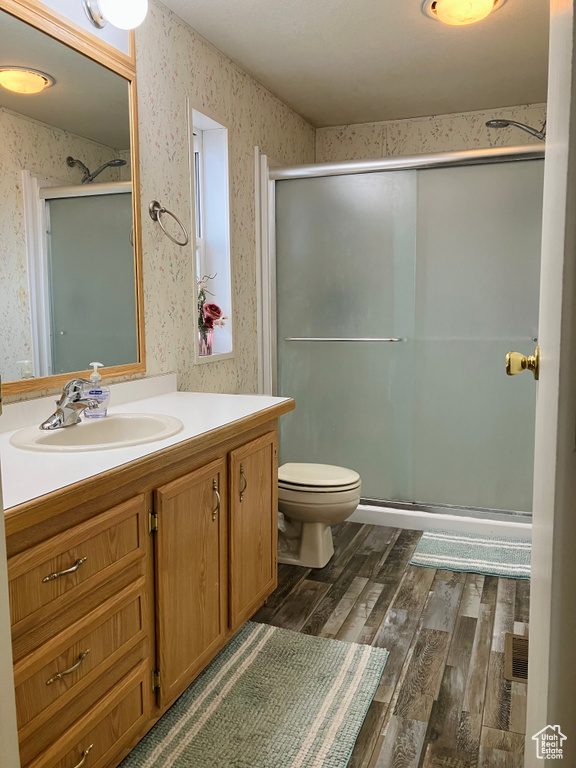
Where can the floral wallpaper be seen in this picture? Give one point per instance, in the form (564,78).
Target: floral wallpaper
(439,133)
(41,149)
(175,63)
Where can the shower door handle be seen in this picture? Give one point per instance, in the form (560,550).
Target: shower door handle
(392,340)
(517,362)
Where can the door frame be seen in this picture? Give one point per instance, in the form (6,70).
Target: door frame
(551,668)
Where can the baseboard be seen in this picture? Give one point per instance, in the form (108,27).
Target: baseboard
(422,521)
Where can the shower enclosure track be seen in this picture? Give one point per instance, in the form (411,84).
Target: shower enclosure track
(412,162)
(449,509)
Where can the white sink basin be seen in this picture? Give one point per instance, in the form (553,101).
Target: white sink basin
(115,431)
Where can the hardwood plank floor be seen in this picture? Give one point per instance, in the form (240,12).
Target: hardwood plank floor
(442,701)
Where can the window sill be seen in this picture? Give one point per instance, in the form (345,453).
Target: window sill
(214,358)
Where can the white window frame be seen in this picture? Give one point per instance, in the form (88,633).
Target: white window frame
(200,123)
(199,223)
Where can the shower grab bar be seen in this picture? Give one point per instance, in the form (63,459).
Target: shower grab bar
(294,338)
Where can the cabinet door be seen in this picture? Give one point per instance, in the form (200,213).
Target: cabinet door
(253,525)
(191,578)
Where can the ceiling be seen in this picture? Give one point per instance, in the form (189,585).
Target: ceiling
(86,99)
(337,62)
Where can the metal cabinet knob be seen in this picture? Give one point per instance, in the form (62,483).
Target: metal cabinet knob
(68,571)
(218,500)
(60,675)
(245,482)
(84,756)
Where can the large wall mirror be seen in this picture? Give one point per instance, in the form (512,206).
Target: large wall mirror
(70,276)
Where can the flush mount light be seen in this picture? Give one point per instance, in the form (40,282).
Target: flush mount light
(458,13)
(24,80)
(124,14)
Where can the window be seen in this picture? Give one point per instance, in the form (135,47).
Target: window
(210,174)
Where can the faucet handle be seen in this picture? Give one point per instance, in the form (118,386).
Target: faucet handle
(72,390)
(74,385)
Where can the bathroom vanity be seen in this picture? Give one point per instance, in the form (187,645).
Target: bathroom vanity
(125,583)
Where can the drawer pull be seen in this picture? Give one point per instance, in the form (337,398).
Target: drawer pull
(217,508)
(60,675)
(244,478)
(84,756)
(74,568)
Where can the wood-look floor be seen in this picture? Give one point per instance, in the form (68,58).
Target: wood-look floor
(442,701)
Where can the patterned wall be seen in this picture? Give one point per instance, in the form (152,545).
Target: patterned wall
(183,65)
(175,63)
(41,149)
(439,133)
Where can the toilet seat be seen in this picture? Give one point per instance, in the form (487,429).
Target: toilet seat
(318,488)
(322,478)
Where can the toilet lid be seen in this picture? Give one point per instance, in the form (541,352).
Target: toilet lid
(317,475)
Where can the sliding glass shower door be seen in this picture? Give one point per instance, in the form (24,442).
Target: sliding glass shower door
(345,269)
(425,279)
(91,275)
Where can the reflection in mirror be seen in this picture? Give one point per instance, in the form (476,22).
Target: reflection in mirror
(67,267)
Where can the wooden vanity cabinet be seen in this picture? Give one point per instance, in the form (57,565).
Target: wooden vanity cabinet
(81,612)
(124,587)
(191,570)
(253,526)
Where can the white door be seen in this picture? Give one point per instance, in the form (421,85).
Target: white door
(9,756)
(552,662)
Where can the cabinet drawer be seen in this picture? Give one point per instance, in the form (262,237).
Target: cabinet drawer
(42,732)
(106,728)
(53,574)
(58,671)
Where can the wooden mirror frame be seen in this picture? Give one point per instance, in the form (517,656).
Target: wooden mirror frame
(67,32)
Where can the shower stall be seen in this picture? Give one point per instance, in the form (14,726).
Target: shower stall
(400,286)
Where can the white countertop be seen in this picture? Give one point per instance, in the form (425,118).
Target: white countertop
(27,475)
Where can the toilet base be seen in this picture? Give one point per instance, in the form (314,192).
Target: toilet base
(316,547)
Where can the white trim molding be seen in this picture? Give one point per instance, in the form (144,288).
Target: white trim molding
(265,273)
(419,520)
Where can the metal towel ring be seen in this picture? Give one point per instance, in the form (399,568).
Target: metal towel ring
(156,210)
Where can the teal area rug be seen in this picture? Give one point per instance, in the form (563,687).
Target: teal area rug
(272,698)
(490,555)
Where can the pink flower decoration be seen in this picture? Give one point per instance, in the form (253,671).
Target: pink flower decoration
(211,311)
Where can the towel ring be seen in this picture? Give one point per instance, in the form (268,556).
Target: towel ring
(156,210)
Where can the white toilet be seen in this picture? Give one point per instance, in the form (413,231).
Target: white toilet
(312,497)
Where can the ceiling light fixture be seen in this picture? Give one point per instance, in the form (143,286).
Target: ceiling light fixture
(124,14)
(24,80)
(458,13)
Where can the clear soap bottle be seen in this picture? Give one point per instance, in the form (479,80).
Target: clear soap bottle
(99,392)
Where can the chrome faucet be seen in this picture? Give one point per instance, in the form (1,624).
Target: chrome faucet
(70,406)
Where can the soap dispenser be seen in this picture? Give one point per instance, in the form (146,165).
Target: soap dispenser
(99,392)
(26,371)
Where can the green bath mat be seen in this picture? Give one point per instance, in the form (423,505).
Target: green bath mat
(272,698)
(493,556)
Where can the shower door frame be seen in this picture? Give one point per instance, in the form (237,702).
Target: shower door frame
(266,178)
(38,191)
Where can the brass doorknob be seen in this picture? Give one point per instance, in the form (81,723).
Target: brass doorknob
(516,363)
